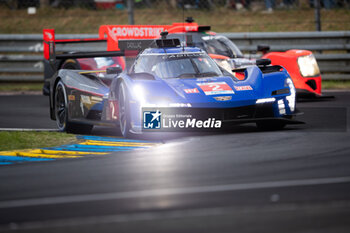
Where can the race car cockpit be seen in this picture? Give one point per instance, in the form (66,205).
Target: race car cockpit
(191,63)
(212,44)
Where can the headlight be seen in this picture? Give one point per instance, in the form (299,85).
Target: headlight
(178,105)
(224,64)
(265,100)
(165,105)
(291,97)
(308,66)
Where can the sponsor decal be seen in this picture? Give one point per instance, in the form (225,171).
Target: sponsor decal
(144,32)
(96,99)
(134,32)
(191,28)
(85,99)
(166,119)
(71,97)
(210,123)
(243,88)
(117,32)
(178,55)
(223,98)
(152,119)
(215,88)
(190,91)
(134,45)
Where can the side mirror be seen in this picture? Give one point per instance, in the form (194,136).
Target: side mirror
(263,62)
(114,70)
(263,48)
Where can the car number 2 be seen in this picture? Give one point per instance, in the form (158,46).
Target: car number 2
(215,87)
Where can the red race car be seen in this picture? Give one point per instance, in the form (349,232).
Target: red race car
(301,64)
(302,67)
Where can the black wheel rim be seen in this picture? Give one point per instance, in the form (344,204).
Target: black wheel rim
(60,108)
(122,110)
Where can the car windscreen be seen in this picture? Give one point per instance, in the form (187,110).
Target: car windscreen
(222,46)
(180,65)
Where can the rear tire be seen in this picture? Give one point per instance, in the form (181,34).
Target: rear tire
(124,111)
(270,125)
(71,64)
(61,113)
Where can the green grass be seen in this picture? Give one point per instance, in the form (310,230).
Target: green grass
(31,140)
(339,85)
(221,19)
(20,87)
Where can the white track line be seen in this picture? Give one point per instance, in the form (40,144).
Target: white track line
(22,130)
(171,191)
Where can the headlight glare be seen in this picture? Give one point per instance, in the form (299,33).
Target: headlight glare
(139,94)
(265,100)
(292,96)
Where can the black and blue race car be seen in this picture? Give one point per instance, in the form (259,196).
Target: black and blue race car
(169,88)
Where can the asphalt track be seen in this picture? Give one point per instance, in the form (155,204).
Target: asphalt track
(243,180)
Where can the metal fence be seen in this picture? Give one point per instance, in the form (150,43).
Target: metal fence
(21,55)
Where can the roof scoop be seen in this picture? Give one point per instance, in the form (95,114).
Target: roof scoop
(164,34)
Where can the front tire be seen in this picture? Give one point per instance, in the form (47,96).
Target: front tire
(61,113)
(124,111)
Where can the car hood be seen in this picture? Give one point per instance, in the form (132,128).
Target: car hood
(205,92)
(214,92)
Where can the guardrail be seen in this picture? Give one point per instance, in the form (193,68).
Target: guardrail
(21,55)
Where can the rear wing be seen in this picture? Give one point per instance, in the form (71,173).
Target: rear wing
(113,33)
(50,47)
